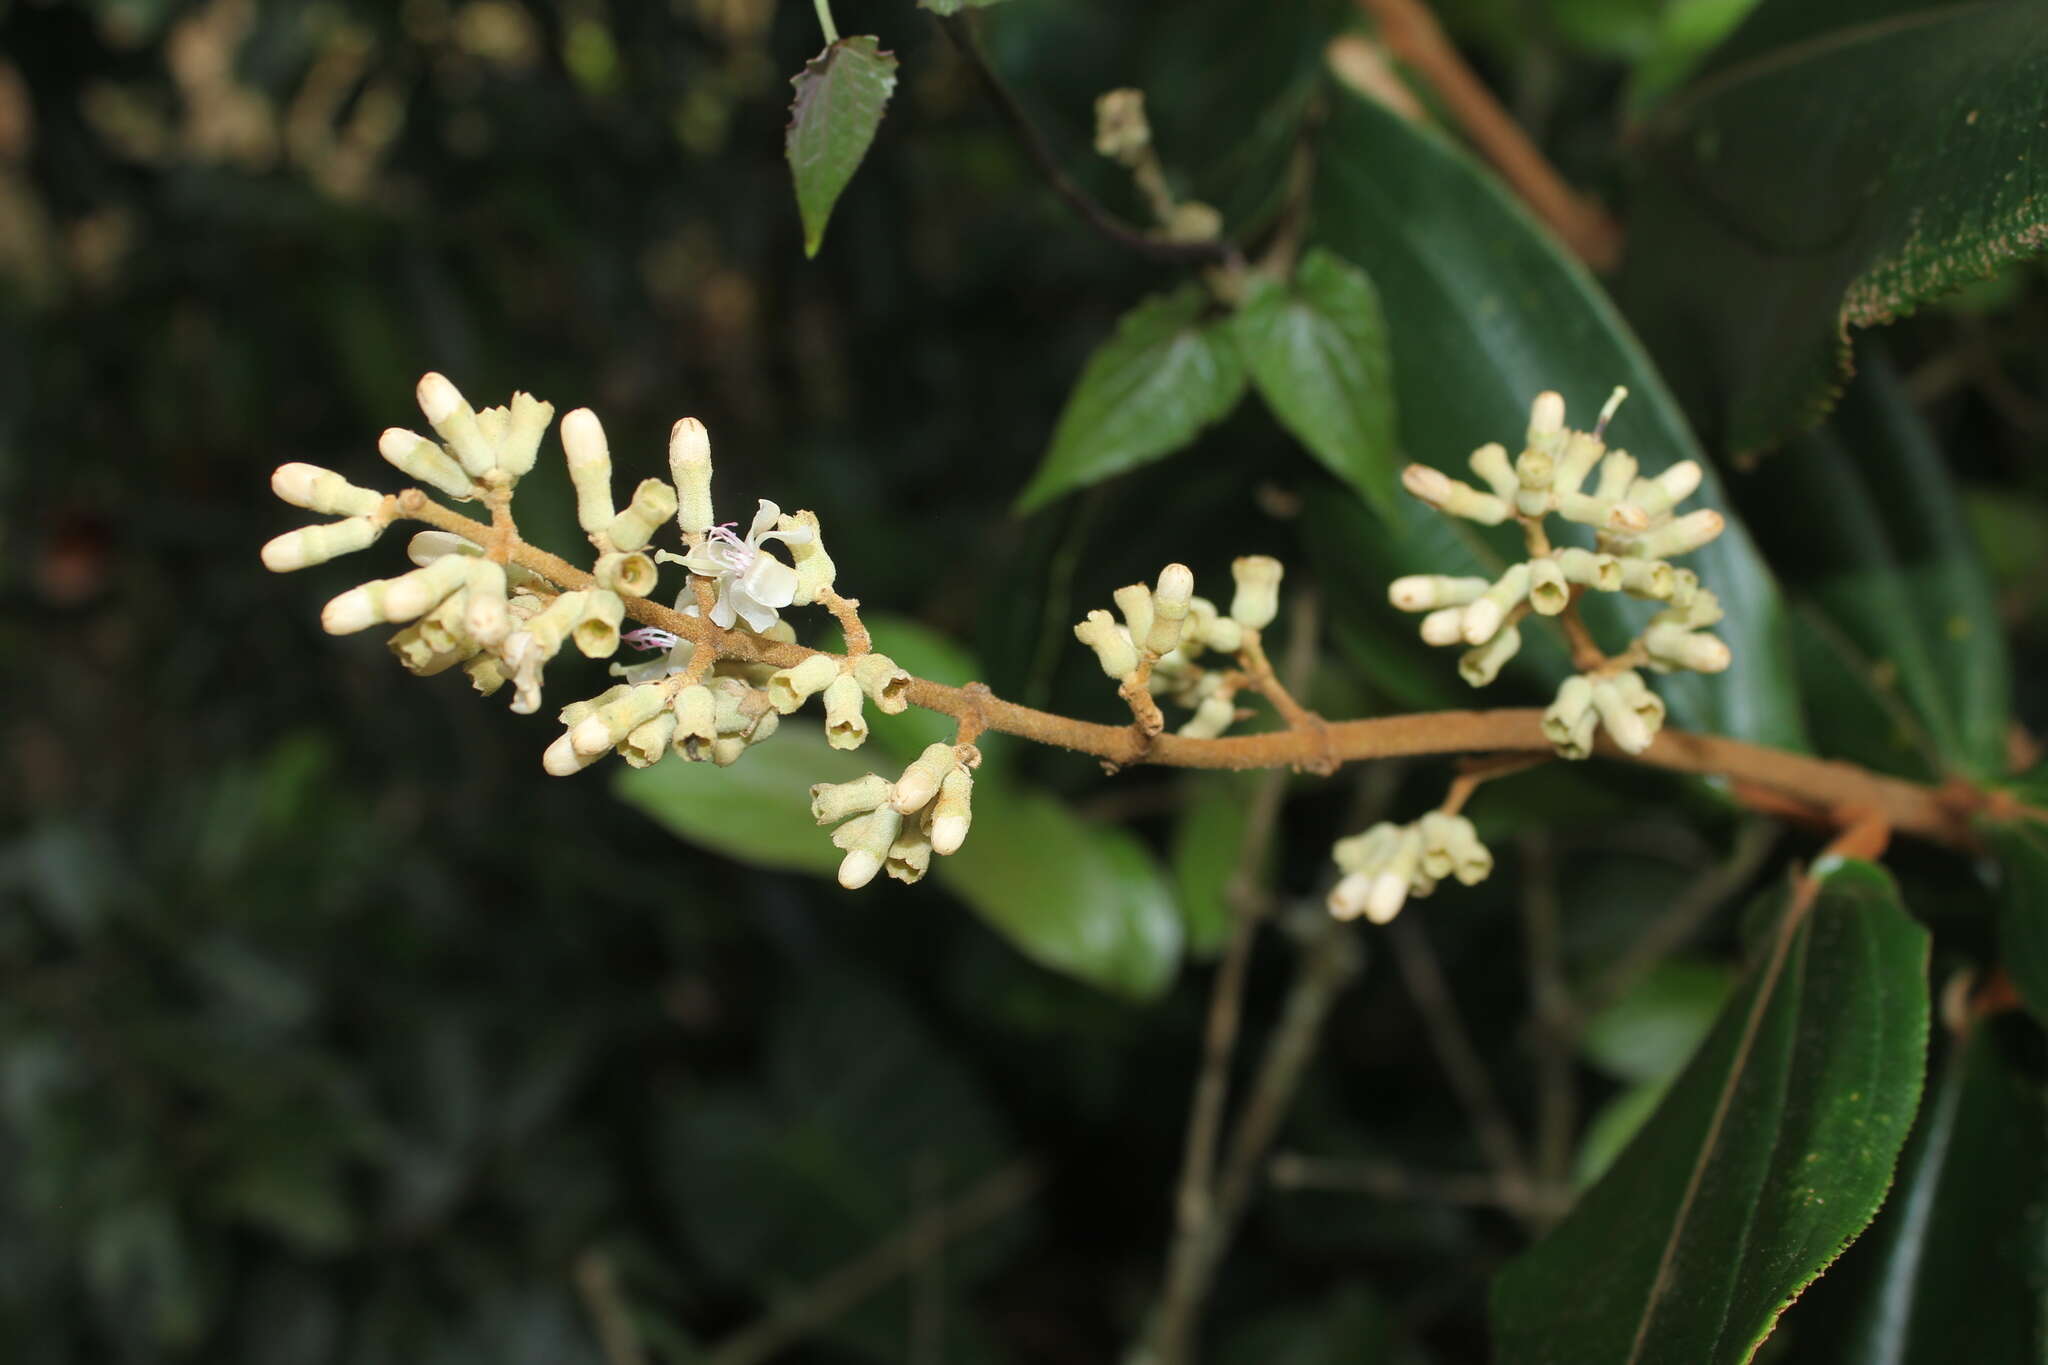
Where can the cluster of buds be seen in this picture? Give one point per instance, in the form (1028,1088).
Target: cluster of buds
(1165,630)
(1388,863)
(1636,532)
(469,601)
(898,826)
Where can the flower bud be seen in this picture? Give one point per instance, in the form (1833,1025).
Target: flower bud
(322,490)
(1212,717)
(1449,496)
(563,759)
(1582,450)
(1134,600)
(832,802)
(1445,626)
(1366,850)
(1623,725)
(952,812)
(1681,536)
(1546,421)
(1702,606)
(1390,886)
(549,630)
(596,631)
(646,744)
(1257,600)
(1657,496)
(1685,589)
(886,685)
(454,421)
(866,839)
(696,713)
(814,568)
(1224,634)
(920,781)
(628,575)
(1640,698)
(1490,462)
(789,688)
(1617,472)
(310,545)
(1549,593)
(1676,647)
(1112,645)
(1481,666)
(1599,571)
(527,423)
(1423,591)
(416,457)
(486,616)
(1194,631)
(576,712)
(1650,578)
(1570,721)
(486,673)
(589,457)
(654,502)
(1486,614)
(616,719)
(909,856)
(423,657)
(689,464)
(1348,897)
(845,726)
(1169,608)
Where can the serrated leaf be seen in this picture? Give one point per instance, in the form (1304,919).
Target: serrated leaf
(1769,1153)
(758,811)
(1316,347)
(1484,312)
(1086,900)
(840,96)
(1954,1269)
(1169,370)
(1833,184)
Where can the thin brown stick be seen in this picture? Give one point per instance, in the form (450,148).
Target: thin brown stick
(1551,1014)
(1413,35)
(887,1260)
(1940,815)
(598,1284)
(1387,1180)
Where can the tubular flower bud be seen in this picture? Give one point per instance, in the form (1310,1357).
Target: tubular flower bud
(1657,496)
(1617,472)
(654,502)
(1122,132)
(1681,536)
(550,629)
(867,840)
(1651,578)
(454,421)
(416,457)
(422,657)
(1582,450)
(814,568)
(526,425)
(486,674)
(845,726)
(886,685)
(1674,646)
(1702,607)
(1224,634)
(1599,571)
(1212,717)
(589,457)
(1534,469)
(1546,421)
(1348,896)
(486,616)
(596,631)
(1451,848)
(1490,462)
(1424,591)
(1453,498)
(1392,883)
(627,574)
(1257,599)
(920,781)
(310,545)
(696,713)
(910,855)
(1366,850)
(1445,626)
(1134,600)
(1685,589)
(404,598)
(562,759)
(1569,722)
(1111,643)
(952,812)
(616,719)
(789,688)
(322,490)
(445,628)
(1622,722)
(1549,592)
(646,744)
(1170,600)
(689,464)
(832,802)
(576,712)
(1194,632)
(1482,665)
(1491,608)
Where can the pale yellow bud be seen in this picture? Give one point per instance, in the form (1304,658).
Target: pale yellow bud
(1487,613)
(1601,571)
(1134,600)
(1390,887)
(589,457)
(1224,634)
(1111,643)
(845,726)
(485,613)
(1582,450)
(1169,608)
(1685,590)
(1682,536)
(486,674)
(1211,718)
(310,545)
(1445,626)
(322,490)
(576,712)
(920,781)
(1366,850)
(1657,496)
(696,713)
(550,629)
(1490,462)
(952,812)
(886,685)
(689,464)
(1623,725)
(1452,497)
(1676,647)
(789,688)
(832,802)
(416,457)
(814,568)
(1480,666)
(596,631)
(654,502)
(420,657)
(1650,578)
(1640,698)
(1425,591)
(646,744)
(910,856)
(1348,897)
(1569,722)
(1546,420)
(1257,599)
(866,839)
(1122,133)
(454,421)
(628,575)
(1617,472)
(1549,593)
(563,759)
(525,428)
(616,719)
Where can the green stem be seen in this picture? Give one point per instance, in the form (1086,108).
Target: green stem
(825,21)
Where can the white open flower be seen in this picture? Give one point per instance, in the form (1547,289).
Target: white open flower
(753,585)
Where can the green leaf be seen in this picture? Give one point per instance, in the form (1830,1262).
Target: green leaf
(1169,370)
(1648,1034)
(758,810)
(1485,311)
(840,96)
(2021,846)
(1833,184)
(1954,1269)
(1316,347)
(944,8)
(1863,524)
(1207,839)
(1613,1128)
(1770,1152)
(1082,899)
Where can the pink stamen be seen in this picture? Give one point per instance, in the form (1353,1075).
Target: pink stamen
(738,551)
(649,638)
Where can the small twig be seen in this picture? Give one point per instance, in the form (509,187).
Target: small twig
(960,32)
(1474,1088)
(1551,1013)
(1413,35)
(598,1284)
(1475,773)
(1387,1180)
(846,611)
(839,1290)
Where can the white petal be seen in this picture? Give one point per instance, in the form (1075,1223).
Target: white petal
(769,581)
(722,609)
(759,616)
(763,520)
